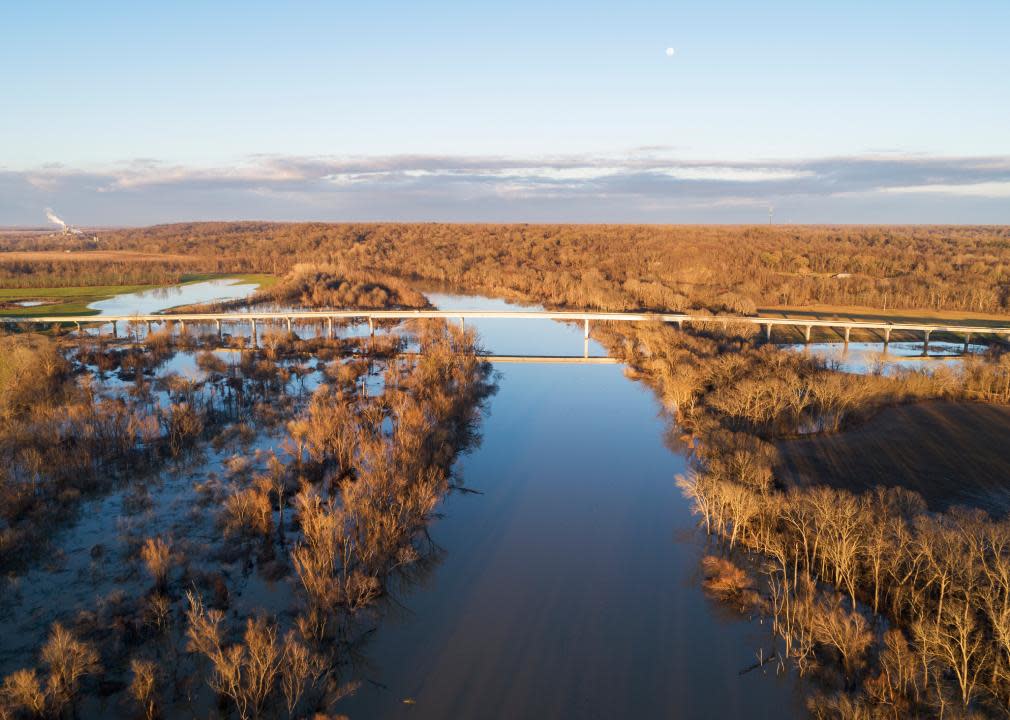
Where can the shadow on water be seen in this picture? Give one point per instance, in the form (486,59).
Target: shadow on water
(568,586)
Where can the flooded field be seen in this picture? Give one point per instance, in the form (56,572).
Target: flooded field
(563,579)
(560,574)
(148,302)
(863,357)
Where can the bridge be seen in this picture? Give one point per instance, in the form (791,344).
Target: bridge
(329,317)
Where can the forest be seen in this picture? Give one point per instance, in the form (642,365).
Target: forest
(626,267)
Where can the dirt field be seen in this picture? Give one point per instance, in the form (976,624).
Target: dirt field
(953,454)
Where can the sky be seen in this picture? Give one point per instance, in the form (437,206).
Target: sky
(126,113)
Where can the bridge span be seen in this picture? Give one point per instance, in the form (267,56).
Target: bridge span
(329,317)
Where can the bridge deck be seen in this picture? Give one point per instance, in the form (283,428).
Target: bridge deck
(577,316)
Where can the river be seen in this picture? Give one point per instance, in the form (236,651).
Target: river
(568,587)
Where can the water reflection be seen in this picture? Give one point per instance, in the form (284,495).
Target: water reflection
(148,302)
(520,337)
(567,587)
(862,358)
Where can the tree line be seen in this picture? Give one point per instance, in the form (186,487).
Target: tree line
(626,267)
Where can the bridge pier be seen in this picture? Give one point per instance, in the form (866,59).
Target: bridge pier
(967,341)
(252,327)
(173,323)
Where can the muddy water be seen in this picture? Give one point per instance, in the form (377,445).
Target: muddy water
(568,586)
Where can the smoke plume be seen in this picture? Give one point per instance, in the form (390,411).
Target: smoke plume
(54,218)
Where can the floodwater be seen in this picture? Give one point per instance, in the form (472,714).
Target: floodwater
(567,584)
(863,357)
(148,302)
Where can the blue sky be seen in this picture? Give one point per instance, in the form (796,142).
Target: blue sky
(117,112)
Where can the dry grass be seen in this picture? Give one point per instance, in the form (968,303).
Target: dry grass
(862,312)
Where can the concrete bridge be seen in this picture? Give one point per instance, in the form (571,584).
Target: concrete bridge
(329,317)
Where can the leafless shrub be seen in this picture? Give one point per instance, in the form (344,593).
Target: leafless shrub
(68,660)
(729,583)
(248,513)
(156,554)
(22,692)
(245,672)
(183,425)
(238,466)
(300,669)
(158,611)
(143,686)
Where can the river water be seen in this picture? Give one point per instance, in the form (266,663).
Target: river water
(568,587)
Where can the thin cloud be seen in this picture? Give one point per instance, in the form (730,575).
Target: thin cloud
(982,189)
(645,185)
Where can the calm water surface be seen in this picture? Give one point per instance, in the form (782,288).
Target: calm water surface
(148,302)
(568,587)
(863,358)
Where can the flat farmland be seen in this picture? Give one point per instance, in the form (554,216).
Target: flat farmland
(950,453)
(126,256)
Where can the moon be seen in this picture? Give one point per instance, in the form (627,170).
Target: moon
(670,52)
